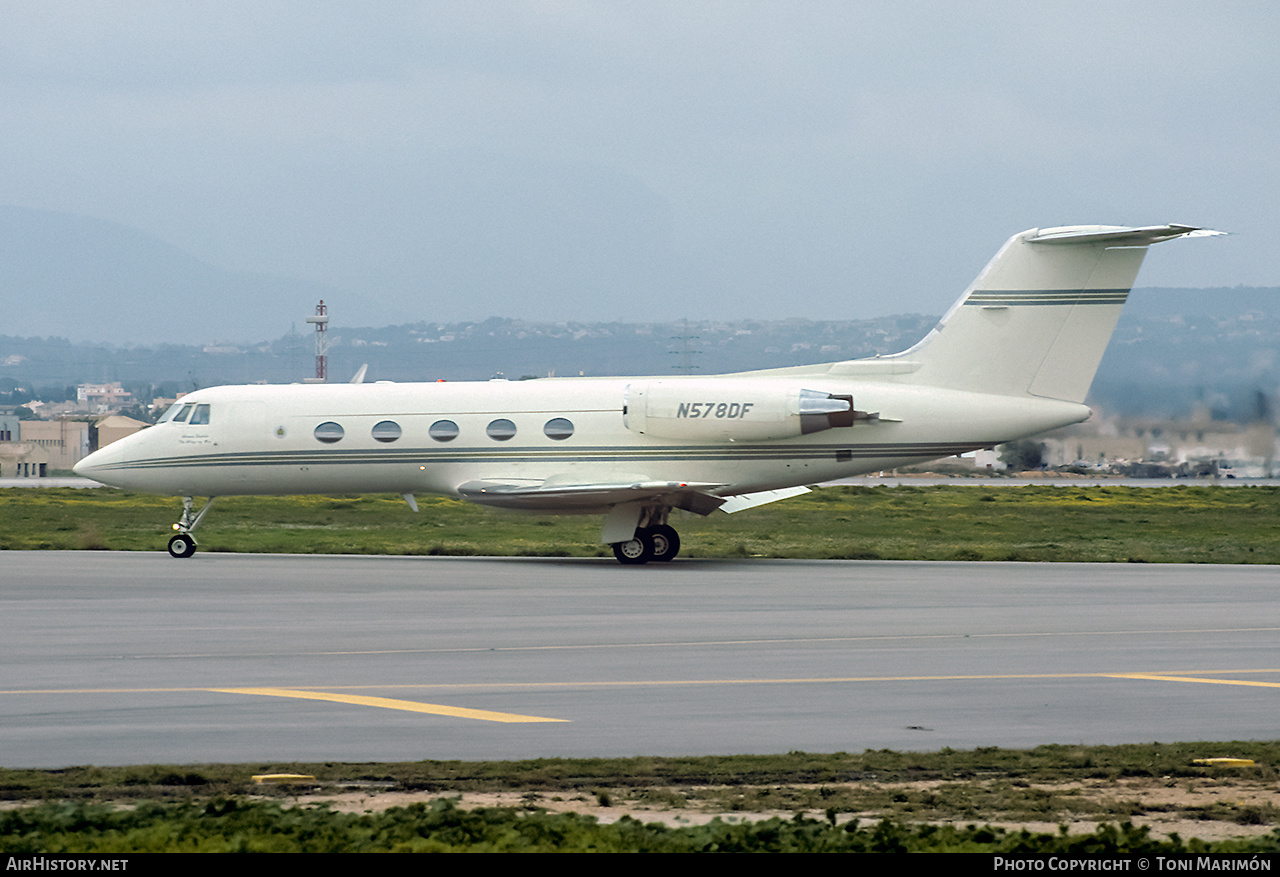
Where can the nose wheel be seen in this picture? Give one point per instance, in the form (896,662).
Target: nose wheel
(182,545)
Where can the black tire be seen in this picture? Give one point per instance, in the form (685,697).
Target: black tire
(182,545)
(666,543)
(636,550)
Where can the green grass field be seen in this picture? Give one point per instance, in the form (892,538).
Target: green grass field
(1176,524)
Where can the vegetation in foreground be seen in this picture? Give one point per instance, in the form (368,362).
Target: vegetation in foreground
(836,802)
(1176,524)
(235,826)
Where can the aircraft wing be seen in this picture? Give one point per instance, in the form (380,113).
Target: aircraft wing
(745,501)
(554,496)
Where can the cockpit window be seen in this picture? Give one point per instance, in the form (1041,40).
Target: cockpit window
(201,416)
(181,416)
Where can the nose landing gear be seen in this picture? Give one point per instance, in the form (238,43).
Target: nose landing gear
(184,544)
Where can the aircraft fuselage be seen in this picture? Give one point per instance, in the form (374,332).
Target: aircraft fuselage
(409,438)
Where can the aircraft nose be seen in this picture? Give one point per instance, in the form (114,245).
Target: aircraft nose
(89,466)
(121,463)
(100,464)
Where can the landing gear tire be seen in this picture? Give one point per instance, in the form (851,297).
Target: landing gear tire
(182,545)
(636,550)
(666,542)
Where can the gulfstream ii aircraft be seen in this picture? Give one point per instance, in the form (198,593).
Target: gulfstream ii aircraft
(1012,358)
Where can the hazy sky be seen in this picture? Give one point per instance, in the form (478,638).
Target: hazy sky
(648,160)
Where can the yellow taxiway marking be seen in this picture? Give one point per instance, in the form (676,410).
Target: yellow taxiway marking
(1158,677)
(389,703)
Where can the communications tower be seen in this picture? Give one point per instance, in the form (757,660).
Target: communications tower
(321,321)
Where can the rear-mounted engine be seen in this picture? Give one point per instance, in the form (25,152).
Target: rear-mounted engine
(728,409)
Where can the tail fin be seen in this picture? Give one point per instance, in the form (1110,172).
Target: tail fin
(1039,316)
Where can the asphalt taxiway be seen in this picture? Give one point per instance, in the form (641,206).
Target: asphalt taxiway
(117,658)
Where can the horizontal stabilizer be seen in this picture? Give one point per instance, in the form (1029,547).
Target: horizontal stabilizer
(1121,237)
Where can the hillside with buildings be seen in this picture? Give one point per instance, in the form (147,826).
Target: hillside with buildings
(1189,385)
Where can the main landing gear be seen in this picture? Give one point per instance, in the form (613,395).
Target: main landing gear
(184,544)
(658,543)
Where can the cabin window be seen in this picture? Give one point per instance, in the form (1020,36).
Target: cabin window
(501,430)
(201,416)
(443,430)
(386,431)
(329,432)
(558,428)
(181,416)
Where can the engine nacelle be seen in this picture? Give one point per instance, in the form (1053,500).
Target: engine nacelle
(731,409)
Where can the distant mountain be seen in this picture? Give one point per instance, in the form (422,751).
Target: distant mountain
(1224,301)
(1174,349)
(92,280)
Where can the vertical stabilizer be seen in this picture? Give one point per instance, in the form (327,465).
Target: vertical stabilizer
(1039,316)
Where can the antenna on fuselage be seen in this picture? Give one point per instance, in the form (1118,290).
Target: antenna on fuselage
(321,321)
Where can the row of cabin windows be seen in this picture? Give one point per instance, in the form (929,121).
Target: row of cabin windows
(500,430)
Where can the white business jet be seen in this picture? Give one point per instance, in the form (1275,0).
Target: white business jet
(1012,358)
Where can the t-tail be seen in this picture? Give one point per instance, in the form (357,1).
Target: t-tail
(1038,318)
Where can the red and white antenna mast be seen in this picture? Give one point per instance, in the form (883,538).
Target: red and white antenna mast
(321,321)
